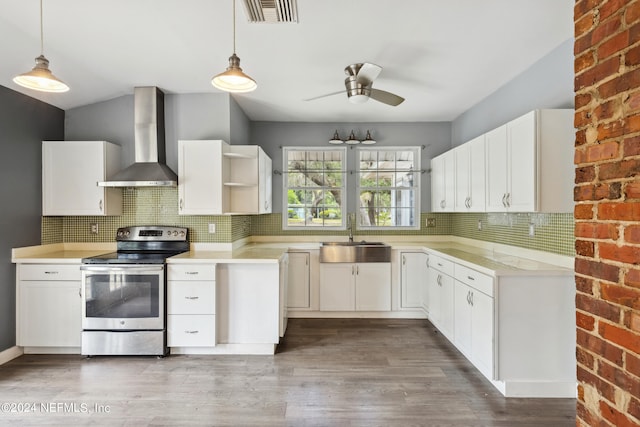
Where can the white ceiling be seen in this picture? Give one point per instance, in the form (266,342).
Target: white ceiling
(443,56)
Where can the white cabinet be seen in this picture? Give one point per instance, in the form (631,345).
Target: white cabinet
(443,182)
(473,317)
(470,176)
(298,295)
(355,286)
(191,305)
(413,276)
(526,163)
(216,178)
(49,307)
(71,171)
(441,294)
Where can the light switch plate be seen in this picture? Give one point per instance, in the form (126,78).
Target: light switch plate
(94,228)
(212,228)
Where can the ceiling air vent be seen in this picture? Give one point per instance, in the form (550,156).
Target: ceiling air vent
(271,10)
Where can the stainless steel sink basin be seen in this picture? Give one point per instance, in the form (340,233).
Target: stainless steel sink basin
(355,252)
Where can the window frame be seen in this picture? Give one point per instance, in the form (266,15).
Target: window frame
(416,187)
(285,189)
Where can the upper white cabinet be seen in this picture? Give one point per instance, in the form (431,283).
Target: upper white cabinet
(216,178)
(470,176)
(71,171)
(529,163)
(443,182)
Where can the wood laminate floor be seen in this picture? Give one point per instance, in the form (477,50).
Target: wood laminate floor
(327,372)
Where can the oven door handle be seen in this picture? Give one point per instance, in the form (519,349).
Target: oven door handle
(121,268)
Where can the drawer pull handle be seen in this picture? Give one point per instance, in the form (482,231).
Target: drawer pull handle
(191,272)
(470,278)
(191,332)
(191,298)
(439,265)
(50,272)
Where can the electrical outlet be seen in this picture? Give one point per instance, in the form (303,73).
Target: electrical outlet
(431,222)
(94,228)
(212,229)
(532,230)
(479,225)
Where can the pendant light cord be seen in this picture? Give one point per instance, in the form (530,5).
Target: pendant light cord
(42,31)
(234,26)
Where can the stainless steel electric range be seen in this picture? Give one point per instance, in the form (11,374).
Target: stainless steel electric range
(124,292)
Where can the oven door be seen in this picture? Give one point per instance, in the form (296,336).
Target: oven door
(120,297)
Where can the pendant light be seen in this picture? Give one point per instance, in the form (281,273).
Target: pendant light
(352,139)
(368,140)
(40,77)
(336,139)
(233,79)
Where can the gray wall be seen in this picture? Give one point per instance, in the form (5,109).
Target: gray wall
(24,123)
(271,136)
(546,84)
(240,126)
(188,116)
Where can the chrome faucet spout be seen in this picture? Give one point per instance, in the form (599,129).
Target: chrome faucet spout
(350,228)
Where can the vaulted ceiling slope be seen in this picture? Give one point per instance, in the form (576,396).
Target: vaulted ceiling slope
(442,56)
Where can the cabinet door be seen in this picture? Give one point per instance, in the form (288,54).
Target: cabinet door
(482,332)
(425,286)
(477,172)
(298,283)
(522,163)
(462,164)
(434,292)
(447,304)
(373,286)
(412,272)
(266,183)
(496,161)
(200,170)
(50,314)
(71,171)
(443,182)
(337,287)
(462,318)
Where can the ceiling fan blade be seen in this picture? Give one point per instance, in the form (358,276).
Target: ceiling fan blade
(324,96)
(368,73)
(386,97)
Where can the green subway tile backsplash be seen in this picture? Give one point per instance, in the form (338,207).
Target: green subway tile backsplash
(159,206)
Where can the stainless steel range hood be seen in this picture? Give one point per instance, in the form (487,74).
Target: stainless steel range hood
(149,169)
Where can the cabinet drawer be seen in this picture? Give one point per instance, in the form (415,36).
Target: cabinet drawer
(191,297)
(443,265)
(476,280)
(191,272)
(191,330)
(50,272)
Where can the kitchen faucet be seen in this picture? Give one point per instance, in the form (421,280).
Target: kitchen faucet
(350,227)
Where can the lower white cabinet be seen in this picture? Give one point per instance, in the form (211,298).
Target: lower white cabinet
(191,305)
(413,276)
(49,307)
(473,318)
(298,293)
(355,286)
(441,295)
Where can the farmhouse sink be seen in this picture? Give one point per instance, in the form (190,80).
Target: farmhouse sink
(355,252)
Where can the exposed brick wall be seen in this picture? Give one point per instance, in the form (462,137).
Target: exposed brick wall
(607,211)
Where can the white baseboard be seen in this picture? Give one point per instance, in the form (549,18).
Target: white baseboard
(10,354)
(533,389)
(409,314)
(244,349)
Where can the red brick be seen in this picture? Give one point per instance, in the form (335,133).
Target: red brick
(604,151)
(599,347)
(632,278)
(619,378)
(631,146)
(632,124)
(632,234)
(580,156)
(632,363)
(597,73)
(632,14)
(607,110)
(614,416)
(584,6)
(584,285)
(585,174)
(632,320)
(632,190)
(634,409)
(582,118)
(585,358)
(584,248)
(583,211)
(619,336)
(582,25)
(633,101)
(596,230)
(632,56)
(610,130)
(622,169)
(581,137)
(605,389)
(621,295)
(582,44)
(634,33)
(627,254)
(598,192)
(604,30)
(585,321)
(619,211)
(614,45)
(598,307)
(611,7)
(622,83)
(582,100)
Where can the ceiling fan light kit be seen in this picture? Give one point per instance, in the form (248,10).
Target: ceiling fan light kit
(233,79)
(40,77)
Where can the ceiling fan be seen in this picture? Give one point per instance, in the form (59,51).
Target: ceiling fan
(358,85)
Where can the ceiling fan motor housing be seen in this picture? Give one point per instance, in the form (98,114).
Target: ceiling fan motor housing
(357,93)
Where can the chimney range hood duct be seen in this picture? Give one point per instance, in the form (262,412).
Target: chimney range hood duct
(149,169)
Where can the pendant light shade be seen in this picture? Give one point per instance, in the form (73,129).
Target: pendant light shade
(40,77)
(233,79)
(352,139)
(368,140)
(336,139)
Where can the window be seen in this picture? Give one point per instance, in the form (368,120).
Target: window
(389,188)
(314,183)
